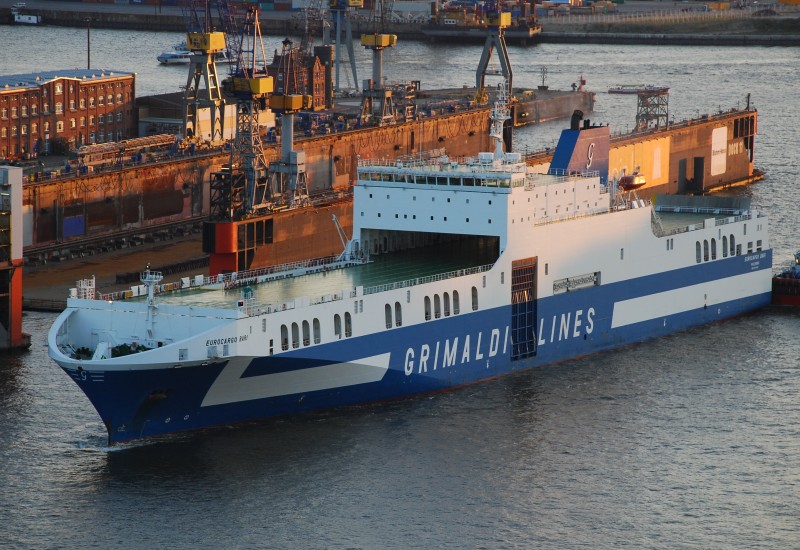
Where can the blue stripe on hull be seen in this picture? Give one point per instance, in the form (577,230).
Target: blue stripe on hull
(441,354)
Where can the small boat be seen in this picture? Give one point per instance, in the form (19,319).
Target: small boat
(181,55)
(23,19)
(786,285)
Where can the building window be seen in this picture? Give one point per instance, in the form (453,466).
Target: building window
(59,88)
(83,103)
(34,128)
(101,101)
(46,126)
(119,98)
(34,110)
(110,118)
(83,121)
(91,120)
(59,126)
(59,108)
(23,111)
(3,133)
(110,99)
(72,123)
(13,131)
(71,104)
(91,102)
(101,136)
(4,113)
(24,130)
(13,112)
(119,116)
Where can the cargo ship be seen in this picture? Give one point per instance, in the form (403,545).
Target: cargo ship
(458,271)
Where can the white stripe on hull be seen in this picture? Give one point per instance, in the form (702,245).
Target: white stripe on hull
(230,387)
(681,300)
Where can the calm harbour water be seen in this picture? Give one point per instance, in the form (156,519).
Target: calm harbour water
(691,441)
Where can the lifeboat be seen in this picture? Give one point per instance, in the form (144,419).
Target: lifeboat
(629,182)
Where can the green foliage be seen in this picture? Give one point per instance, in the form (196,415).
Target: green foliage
(59,146)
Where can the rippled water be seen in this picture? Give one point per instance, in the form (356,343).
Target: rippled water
(690,441)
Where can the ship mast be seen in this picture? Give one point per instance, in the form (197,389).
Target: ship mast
(500,113)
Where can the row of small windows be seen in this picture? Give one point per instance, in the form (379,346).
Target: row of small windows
(59,107)
(23,130)
(707,250)
(430,179)
(442,305)
(298,335)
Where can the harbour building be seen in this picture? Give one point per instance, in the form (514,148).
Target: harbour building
(73,106)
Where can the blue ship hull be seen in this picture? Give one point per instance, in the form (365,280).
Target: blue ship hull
(434,356)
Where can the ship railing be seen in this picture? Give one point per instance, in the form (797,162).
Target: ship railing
(556,177)
(429,279)
(239,278)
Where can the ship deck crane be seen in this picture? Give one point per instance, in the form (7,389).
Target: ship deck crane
(240,190)
(203,84)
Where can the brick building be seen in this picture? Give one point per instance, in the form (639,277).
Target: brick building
(81,106)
